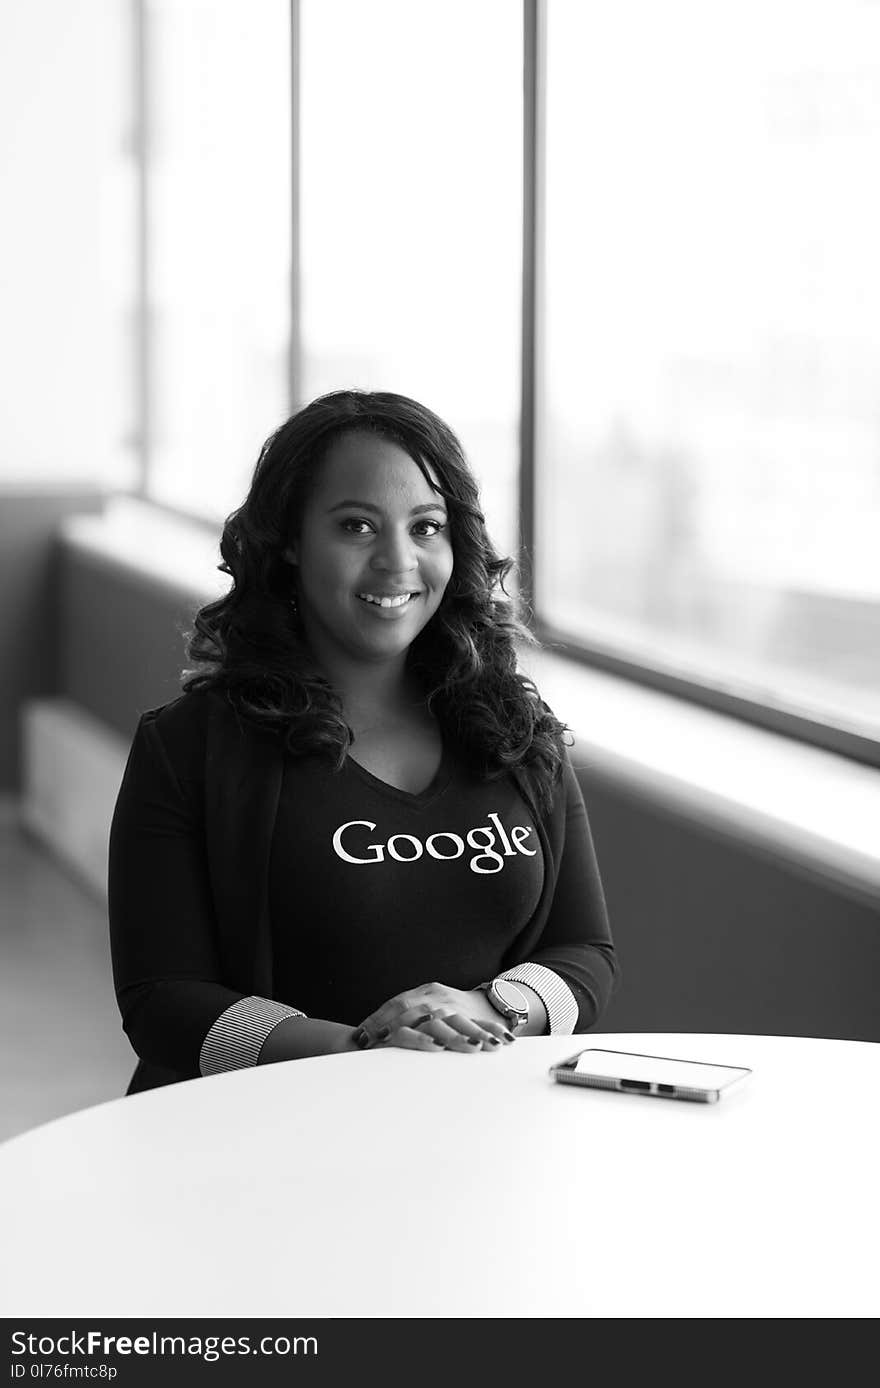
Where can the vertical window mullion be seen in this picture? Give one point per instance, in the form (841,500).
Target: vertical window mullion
(533,96)
(295,360)
(143,347)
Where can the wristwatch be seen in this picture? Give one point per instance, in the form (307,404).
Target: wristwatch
(509,1000)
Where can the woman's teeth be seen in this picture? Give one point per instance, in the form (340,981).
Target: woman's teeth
(386,602)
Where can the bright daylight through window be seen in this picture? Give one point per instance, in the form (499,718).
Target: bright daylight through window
(411,217)
(408,236)
(708,451)
(218,238)
(707,446)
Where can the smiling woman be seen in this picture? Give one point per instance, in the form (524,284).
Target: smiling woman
(370,573)
(361,670)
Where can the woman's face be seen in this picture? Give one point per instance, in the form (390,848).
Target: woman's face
(373,555)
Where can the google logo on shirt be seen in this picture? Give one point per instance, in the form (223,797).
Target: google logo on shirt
(438,845)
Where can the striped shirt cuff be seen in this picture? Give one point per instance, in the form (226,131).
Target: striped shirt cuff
(557,997)
(236,1038)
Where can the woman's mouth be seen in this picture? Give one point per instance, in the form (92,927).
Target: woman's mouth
(388,601)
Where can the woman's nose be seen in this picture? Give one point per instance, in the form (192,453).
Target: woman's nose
(395,553)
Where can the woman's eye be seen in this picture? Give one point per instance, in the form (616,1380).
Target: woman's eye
(424,529)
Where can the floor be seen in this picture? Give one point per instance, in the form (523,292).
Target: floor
(62,1047)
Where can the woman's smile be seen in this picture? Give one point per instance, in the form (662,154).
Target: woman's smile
(389,604)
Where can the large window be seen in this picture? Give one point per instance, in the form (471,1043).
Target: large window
(410,194)
(216,82)
(408,180)
(69,301)
(704,326)
(708,441)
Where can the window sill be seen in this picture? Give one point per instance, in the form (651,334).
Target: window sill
(174,554)
(817,809)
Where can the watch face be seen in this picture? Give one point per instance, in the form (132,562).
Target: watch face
(511,995)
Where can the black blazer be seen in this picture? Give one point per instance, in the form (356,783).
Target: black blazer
(190,843)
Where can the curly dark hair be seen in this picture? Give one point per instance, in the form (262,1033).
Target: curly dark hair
(249,646)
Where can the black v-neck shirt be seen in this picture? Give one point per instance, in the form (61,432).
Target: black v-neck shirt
(373,890)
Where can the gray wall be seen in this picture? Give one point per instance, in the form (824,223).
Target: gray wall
(713,935)
(716,936)
(122,646)
(29,607)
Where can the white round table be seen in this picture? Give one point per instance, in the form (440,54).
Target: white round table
(396,1184)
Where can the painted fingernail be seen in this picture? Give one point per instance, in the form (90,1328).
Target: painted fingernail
(474,1041)
(508,1036)
(494,1040)
(383,1034)
(361,1038)
(425,1017)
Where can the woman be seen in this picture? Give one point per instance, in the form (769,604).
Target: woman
(358,825)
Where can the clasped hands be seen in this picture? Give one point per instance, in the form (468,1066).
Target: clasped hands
(434,1017)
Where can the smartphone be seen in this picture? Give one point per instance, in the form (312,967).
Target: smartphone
(656,1075)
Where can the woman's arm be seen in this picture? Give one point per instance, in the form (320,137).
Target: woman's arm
(572,966)
(299,1037)
(177,1012)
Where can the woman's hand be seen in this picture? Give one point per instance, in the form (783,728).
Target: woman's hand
(434,1017)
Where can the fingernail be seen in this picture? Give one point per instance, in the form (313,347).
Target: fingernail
(509,1036)
(425,1017)
(494,1040)
(361,1038)
(474,1041)
(383,1034)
